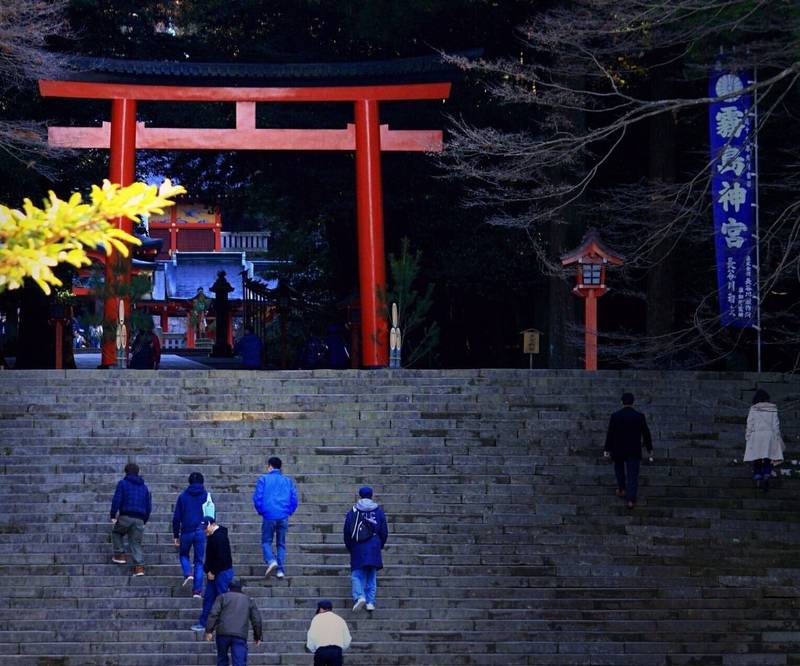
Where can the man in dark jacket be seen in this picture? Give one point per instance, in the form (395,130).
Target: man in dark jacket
(365,534)
(218,566)
(130,511)
(231,615)
(187,532)
(627,433)
(250,348)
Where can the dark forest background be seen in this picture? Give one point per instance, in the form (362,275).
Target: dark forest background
(490,279)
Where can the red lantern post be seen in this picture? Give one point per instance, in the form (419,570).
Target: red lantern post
(591,258)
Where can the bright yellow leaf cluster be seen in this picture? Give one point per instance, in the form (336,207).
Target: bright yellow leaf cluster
(34,240)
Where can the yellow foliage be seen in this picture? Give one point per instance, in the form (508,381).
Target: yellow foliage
(35,240)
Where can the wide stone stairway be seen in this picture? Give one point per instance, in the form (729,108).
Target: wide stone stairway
(507,544)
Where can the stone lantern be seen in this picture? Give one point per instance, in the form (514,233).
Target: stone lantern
(591,257)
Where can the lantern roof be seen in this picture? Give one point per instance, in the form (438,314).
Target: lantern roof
(592,248)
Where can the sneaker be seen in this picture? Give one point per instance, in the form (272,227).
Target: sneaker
(187,580)
(270,568)
(280,574)
(631,505)
(359,604)
(370,607)
(119,558)
(197,594)
(138,570)
(620,492)
(198,627)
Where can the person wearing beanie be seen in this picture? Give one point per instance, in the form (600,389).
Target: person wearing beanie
(365,533)
(218,566)
(187,533)
(231,616)
(275,499)
(328,636)
(627,433)
(130,511)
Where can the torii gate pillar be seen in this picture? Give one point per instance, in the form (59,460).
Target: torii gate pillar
(371,262)
(121,170)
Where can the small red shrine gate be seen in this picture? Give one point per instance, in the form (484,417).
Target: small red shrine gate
(122,83)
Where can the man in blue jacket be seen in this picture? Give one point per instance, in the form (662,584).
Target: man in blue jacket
(275,499)
(189,534)
(365,534)
(130,511)
(250,348)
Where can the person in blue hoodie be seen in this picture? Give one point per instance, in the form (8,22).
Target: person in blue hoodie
(189,534)
(130,511)
(365,534)
(250,348)
(275,499)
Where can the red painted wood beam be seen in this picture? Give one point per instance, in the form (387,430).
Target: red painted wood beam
(141,92)
(121,170)
(174,138)
(369,224)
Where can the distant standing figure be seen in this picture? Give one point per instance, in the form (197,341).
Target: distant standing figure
(765,445)
(145,351)
(365,534)
(130,511)
(218,566)
(627,433)
(188,533)
(250,348)
(231,616)
(328,636)
(275,499)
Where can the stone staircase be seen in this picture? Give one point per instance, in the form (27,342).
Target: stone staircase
(507,545)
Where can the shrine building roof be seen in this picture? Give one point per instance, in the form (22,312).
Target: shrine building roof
(422,69)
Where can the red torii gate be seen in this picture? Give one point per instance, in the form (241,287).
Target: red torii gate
(366,136)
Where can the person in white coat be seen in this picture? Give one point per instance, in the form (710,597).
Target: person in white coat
(763,436)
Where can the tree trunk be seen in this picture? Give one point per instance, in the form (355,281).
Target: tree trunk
(562,351)
(661,278)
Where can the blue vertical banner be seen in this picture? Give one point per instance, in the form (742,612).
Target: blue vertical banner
(733,188)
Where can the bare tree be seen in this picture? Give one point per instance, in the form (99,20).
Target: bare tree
(616,93)
(25,26)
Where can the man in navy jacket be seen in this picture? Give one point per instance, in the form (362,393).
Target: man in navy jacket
(130,511)
(627,433)
(275,499)
(187,532)
(365,534)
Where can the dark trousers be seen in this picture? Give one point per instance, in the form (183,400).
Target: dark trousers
(762,469)
(238,648)
(630,485)
(330,655)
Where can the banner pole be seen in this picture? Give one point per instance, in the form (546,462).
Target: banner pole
(755,204)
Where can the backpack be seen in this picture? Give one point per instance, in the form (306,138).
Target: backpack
(363,530)
(208,507)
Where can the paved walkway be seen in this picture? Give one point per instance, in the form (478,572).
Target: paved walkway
(90,360)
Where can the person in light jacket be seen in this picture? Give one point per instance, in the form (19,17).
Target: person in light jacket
(365,534)
(763,436)
(231,616)
(328,636)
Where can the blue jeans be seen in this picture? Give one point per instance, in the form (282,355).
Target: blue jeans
(214,588)
(274,529)
(631,484)
(196,540)
(238,648)
(365,583)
